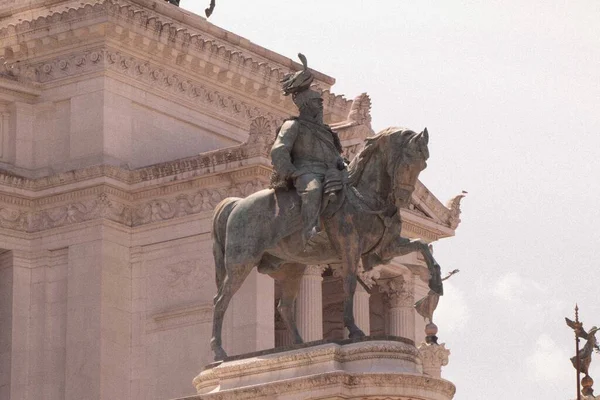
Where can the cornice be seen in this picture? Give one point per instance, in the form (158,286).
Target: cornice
(391,386)
(175,189)
(166,41)
(435,210)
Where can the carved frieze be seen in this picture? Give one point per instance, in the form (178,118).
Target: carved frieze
(186,204)
(85,210)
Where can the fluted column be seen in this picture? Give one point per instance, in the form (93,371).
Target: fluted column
(309,304)
(361,309)
(401,298)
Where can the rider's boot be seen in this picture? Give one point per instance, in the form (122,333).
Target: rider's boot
(311,205)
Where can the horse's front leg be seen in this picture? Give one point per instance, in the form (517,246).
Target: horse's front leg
(350,252)
(289,277)
(349,289)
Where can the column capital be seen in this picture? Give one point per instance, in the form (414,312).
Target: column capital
(314,270)
(434,357)
(399,291)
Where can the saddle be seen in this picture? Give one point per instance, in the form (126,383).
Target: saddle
(333,191)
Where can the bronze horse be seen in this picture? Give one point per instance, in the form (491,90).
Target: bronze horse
(262,230)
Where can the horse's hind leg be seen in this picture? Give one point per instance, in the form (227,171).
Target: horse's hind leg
(289,277)
(402,246)
(232,282)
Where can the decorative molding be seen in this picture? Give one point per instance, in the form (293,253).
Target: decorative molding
(340,353)
(151,74)
(315,271)
(179,317)
(410,229)
(419,387)
(224,61)
(400,379)
(186,204)
(86,210)
(262,132)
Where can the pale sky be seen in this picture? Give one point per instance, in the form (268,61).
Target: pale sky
(510,93)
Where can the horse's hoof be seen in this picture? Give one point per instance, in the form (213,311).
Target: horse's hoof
(220,354)
(218,350)
(356,334)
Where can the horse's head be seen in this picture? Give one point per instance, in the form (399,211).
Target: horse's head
(407,153)
(390,163)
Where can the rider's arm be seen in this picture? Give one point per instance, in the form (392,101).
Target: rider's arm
(281,152)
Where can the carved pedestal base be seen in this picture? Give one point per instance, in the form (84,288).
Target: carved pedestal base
(369,369)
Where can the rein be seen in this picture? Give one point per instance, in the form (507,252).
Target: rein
(385,215)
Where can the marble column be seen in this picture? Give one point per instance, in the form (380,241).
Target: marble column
(309,304)
(361,309)
(401,314)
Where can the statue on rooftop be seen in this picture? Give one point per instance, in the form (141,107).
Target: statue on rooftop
(335,213)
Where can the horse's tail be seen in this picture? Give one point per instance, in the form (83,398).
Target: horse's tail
(220,216)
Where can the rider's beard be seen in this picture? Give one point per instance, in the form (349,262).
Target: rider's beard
(314,114)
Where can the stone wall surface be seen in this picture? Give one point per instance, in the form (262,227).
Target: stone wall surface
(123,123)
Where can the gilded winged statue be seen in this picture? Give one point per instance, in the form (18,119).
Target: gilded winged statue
(591,344)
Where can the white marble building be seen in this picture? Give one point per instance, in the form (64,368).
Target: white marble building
(122,124)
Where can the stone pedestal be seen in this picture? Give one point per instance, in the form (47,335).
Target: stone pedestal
(309,304)
(389,369)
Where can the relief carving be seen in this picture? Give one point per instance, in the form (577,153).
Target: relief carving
(187,204)
(100,207)
(13,219)
(261,132)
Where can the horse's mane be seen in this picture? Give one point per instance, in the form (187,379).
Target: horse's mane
(359,162)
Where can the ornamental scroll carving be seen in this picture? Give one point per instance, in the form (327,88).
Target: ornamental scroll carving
(103,207)
(454,210)
(186,204)
(99,207)
(140,70)
(261,132)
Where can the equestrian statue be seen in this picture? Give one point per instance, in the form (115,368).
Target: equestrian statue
(319,210)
